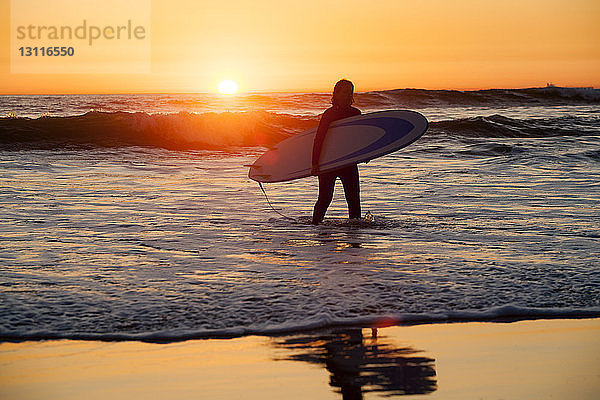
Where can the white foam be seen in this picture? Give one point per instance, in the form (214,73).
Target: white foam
(500,313)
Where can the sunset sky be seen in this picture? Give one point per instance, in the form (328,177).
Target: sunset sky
(382,44)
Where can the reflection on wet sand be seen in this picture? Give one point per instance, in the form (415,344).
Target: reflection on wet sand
(358,365)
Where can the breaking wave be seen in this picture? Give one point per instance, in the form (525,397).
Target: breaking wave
(178,131)
(501,126)
(545,96)
(183,130)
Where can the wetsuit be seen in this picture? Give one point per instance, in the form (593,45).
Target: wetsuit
(348,175)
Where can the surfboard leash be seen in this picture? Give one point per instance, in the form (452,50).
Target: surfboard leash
(273,208)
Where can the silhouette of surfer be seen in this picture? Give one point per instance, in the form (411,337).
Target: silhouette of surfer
(342,99)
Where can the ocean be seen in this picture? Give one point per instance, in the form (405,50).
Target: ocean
(132,217)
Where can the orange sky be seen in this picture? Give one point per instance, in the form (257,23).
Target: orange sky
(382,44)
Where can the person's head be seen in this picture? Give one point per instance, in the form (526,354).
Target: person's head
(343,93)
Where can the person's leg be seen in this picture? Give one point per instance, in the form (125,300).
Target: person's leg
(326,185)
(350,180)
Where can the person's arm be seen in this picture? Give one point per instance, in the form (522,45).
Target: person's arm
(318,142)
(327,118)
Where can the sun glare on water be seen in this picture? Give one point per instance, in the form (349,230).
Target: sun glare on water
(228,87)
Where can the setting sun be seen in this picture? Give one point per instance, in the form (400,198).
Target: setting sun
(228,87)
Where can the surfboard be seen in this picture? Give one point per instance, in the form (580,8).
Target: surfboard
(348,141)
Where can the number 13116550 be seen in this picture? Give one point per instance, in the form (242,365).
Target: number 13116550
(54,51)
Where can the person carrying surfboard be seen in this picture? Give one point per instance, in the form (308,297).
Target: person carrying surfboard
(341,100)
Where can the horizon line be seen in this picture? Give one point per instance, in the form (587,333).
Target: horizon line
(249,92)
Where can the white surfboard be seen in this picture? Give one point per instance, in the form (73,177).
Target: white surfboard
(348,141)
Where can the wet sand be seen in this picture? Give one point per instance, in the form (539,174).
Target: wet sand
(537,359)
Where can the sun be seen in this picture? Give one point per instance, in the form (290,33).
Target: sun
(228,87)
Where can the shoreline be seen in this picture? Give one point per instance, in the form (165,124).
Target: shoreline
(500,314)
(540,358)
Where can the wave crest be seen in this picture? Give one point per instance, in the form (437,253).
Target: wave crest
(411,98)
(505,127)
(212,131)
(178,131)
